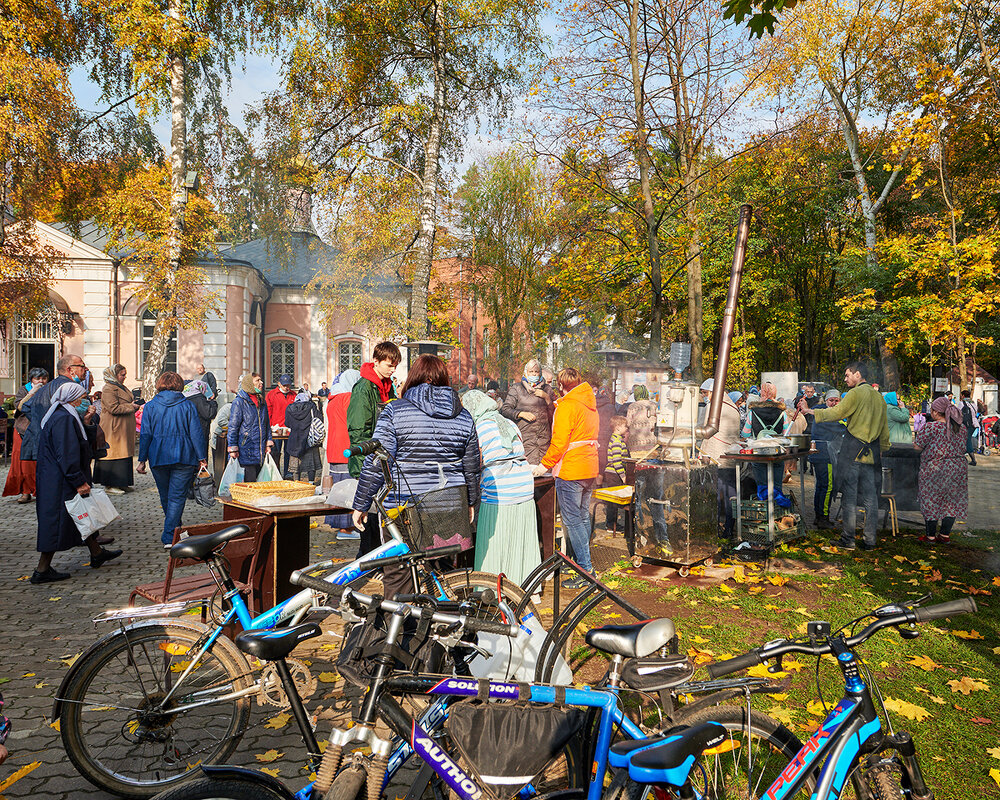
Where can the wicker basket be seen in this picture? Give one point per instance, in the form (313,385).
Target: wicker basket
(286,490)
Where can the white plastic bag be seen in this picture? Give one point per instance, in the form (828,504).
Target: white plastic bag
(93,512)
(233,474)
(342,493)
(268,470)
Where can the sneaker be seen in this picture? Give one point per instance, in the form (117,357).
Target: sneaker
(865,546)
(348,536)
(925,539)
(944,538)
(824,524)
(49,576)
(843,544)
(578,582)
(103,557)
(113,490)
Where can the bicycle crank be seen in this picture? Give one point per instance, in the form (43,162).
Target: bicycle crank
(273,693)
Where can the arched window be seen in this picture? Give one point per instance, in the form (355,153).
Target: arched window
(282,359)
(148,321)
(349,355)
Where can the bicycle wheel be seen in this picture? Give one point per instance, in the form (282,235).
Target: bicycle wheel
(462,585)
(220,789)
(743,767)
(113,728)
(348,785)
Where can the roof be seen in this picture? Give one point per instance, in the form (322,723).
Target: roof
(90,233)
(289,261)
(982,376)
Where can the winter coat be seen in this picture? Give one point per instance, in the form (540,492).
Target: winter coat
(249,429)
(118,421)
(765,414)
(35,408)
(298,418)
(641,418)
(277,404)
(575,420)
(605,411)
(206,409)
(64,457)
(338,439)
(728,435)
(427,425)
(900,431)
(171,432)
(362,412)
(536,435)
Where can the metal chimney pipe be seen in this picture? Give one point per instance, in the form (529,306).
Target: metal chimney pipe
(711,426)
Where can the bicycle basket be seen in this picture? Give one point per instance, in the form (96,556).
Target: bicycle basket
(439,518)
(509,745)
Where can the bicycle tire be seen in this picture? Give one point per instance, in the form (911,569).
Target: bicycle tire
(721,776)
(884,784)
(348,785)
(458,582)
(220,789)
(113,747)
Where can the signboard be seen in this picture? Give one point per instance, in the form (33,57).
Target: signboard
(941,385)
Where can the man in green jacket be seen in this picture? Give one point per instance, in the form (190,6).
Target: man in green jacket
(368,398)
(859,462)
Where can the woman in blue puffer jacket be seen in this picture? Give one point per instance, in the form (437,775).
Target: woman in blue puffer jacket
(428,434)
(249,434)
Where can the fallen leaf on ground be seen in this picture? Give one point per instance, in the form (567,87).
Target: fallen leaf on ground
(982,720)
(69,661)
(760,671)
(968,634)
(327,677)
(726,589)
(14,777)
(907,710)
(996,580)
(900,559)
(278,721)
(269,756)
(777,580)
(939,700)
(55,725)
(926,664)
(700,640)
(968,685)
(995,774)
(815,707)
(272,771)
(994,751)
(781,714)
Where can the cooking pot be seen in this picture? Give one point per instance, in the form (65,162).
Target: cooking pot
(800,441)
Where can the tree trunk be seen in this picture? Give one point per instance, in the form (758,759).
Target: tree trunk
(165,322)
(424,246)
(645,166)
(963,371)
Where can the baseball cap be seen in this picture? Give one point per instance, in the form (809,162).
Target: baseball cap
(285,380)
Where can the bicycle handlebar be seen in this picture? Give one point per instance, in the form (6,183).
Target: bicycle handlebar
(406,558)
(780,647)
(391,606)
(363,448)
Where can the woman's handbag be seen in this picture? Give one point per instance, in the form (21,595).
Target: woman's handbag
(204,488)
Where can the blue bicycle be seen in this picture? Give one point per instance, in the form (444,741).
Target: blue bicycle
(711,760)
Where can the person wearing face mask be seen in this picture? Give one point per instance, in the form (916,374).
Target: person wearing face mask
(69,369)
(529,405)
(21,477)
(249,434)
(278,401)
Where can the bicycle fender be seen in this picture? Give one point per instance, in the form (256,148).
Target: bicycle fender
(192,625)
(248,775)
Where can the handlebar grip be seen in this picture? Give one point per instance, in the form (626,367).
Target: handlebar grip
(309,582)
(440,552)
(964,605)
(363,448)
(737,664)
(405,558)
(489,626)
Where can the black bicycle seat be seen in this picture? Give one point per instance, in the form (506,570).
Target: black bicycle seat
(275,645)
(632,641)
(671,761)
(203,546)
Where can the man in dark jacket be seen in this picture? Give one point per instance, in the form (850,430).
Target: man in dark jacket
(279,399)
(70,368)
(825,434)
(369,396)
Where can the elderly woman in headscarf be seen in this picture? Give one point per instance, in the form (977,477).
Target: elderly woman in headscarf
(529,406)
(943,486)
(506,531)
(303,450)
(249,434)
(114,471)
(199,393)
(898,417)
(63,471)
(767,417)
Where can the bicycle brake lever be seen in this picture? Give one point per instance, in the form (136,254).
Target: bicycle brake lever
(776,666)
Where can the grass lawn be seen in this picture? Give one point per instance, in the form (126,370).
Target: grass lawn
(942,686)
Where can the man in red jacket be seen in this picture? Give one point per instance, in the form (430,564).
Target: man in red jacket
(278,399)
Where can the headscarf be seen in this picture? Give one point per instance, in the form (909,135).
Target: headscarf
(891,399)
(640,392)
(246,384)
(194,387)
(345,383)
(481,406)
(111,376)
(303,397)
(951,414)
(736,396)
(769,391)
(65,394)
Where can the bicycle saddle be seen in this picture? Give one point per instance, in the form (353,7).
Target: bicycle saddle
(671,761)
(632,641)
(202,546)
(275,645)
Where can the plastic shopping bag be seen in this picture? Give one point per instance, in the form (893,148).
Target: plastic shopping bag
(93,512)
(204,489)
(233,474)
(268,470)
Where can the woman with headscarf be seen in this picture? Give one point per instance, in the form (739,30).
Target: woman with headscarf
(900,431)
(249,432)
(506,529)
(338,439)
(62,471)
(943,485)
(641,416)
(767,417)
(529,406)
(199,393)
(21,476)
(114,471)
(304,458)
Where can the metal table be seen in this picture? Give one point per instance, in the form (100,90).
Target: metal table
(795,455)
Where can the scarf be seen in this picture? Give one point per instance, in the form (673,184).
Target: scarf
(482,406)
(195,387)
(384,385)
(246,384)
(110,376)
(345,383)
(302,397)
(65,394)
(947,409)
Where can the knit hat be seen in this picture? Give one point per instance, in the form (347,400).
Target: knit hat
(832,394)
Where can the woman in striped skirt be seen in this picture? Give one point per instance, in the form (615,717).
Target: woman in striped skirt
(506,531)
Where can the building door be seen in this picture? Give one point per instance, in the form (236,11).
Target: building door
(36,354)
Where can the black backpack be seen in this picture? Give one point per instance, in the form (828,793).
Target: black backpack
(967,420)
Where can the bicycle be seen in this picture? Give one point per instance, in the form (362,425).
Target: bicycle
(709,761)
(342,775)
(152,699)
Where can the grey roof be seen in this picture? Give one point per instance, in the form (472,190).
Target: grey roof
(291,261)
(90,233)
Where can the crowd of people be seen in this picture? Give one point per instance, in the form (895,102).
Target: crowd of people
(492,443)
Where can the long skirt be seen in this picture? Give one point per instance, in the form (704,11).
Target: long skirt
(21,477)
(116,472)
(507,540)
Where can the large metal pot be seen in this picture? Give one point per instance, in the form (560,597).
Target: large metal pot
(800,441)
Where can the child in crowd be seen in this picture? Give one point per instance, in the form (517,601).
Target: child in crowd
(614,472)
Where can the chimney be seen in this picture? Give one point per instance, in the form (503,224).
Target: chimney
(298,207)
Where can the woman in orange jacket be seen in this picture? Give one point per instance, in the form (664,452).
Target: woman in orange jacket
(572,457)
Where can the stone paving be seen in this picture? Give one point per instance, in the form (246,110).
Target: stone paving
(42,627)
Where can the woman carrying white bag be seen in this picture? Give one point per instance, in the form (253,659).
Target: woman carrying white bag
(63,472)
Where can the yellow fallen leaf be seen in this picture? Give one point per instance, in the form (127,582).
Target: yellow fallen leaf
(777,580)
(55,725)
(939,700)
(269,756)
(900,559)
(760,671)
(815,707)
(968,685)
(24,577)
(994,751)
(781,714)
(772,607)
(174,648)
(54,599)
(613,615)
(327,677)
(996,580)
(278,721)
(41,685)
(726,589)
(968,634)
(778,697)
(14,777)
(926,664)
(28,675)
(739,575)
(272,771)
(700,640)
(994,773)
(996,651)
(791,665)
(907,710)
(69,661)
